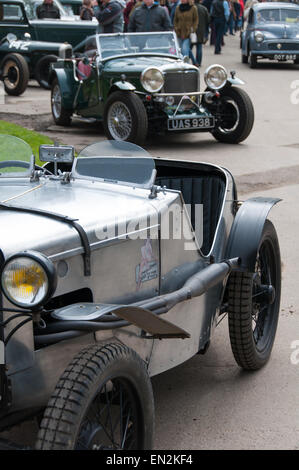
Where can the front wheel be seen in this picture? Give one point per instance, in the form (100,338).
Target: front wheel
(61,116)
(252,60)
(42,70)
(15,72)
(253,304)
(103,401)
(125,117)
(236,116)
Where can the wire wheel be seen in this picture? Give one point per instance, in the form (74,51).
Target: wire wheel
(56,101)
(125,117)
(119,121)
(103,400)
(61,116)
(253,304)
(112,419)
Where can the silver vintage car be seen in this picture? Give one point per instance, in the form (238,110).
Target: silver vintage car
(116,267)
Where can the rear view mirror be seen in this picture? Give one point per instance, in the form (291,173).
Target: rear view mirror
(56,154)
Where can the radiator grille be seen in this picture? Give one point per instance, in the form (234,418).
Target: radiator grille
(285,46)
(181,82)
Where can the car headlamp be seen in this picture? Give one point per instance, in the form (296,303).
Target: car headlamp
(258,36)
(28,279)
(215,77)
(152,80)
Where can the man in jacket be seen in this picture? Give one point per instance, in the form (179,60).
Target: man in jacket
(48,10)
(110,16)
(149,17)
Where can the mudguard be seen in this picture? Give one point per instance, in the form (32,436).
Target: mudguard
(247,230)
(123,85)
(68,85)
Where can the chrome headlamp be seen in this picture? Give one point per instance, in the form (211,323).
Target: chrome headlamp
(28,279)
(258,36)
(152,79)
(215,77)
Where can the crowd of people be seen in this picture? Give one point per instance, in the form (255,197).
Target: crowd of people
(192,20)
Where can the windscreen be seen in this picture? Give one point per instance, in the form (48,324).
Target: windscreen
(275,15)
(134,43)
(15,157)
(116,162)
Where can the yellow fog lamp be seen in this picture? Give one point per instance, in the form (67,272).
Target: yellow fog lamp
(28,279)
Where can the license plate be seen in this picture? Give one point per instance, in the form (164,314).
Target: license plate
(285,56)
(194,123)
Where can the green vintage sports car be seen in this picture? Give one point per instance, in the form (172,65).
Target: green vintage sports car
(24,59)
(139,82)
(19,17)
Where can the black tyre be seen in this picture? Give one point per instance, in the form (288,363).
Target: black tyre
(296,61)
(236,116)
(61,116)
(244,59)
(125,118)
(253,305)
(252,60)
(42,70)
(103,400)
(15,73)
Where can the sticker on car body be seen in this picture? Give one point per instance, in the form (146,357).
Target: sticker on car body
(148,268)
(19,45)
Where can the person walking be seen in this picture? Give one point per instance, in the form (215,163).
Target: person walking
(150,16)
(110,16)
(201,31)
(173,5)
(219,17)
(48,10)
(185,22)
(86,11)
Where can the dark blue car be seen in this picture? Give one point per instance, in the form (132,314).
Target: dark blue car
(272,32)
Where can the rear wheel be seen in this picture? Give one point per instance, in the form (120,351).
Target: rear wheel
(15,73)
(103,401)
(42,70)
(125,118)
(253,305)
(61,116)
(236,116)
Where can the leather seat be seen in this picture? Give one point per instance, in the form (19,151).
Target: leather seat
(207,190)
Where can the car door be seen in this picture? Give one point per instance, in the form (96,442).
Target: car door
(88,97)
(13,19)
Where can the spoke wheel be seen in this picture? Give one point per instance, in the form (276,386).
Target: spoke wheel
(61,116)
(125,117)
(103,401)
(119,121)
(16,74)
(254,300)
